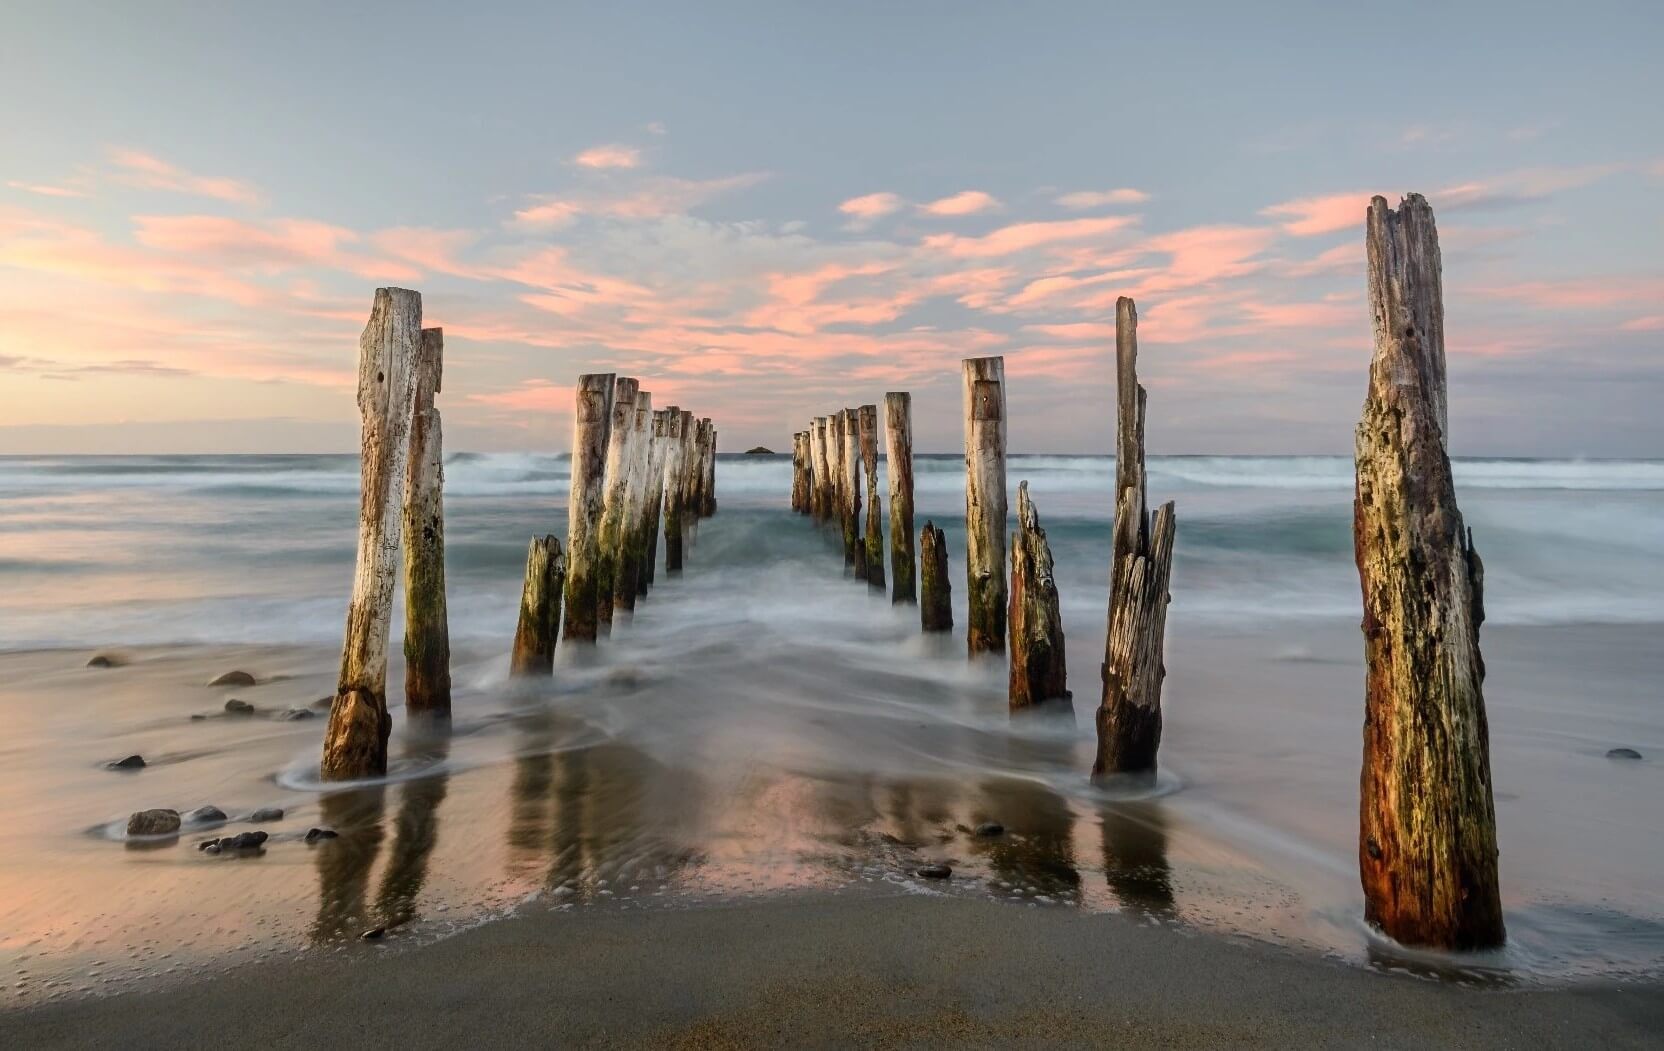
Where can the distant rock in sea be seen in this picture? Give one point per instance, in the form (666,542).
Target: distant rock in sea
(233,678)
(759,451)
(1623,753)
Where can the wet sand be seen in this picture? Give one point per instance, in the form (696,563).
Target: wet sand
(862,969)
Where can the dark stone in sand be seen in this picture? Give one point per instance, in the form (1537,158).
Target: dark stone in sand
(210,847)
(206,815)
(294,714)
(233,678)
(132,762)
(198,717)
(106,660)
(935,871)
(759,451)
(267,813)
(153,823)
(990,829)
(236,707)
(1623,753)
(315,834)
(373,934)
(241,841)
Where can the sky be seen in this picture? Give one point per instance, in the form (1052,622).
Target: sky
(770,211)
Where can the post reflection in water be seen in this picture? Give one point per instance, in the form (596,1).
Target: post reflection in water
(1135,856)
(344,862)
(416,830)
(1038,848)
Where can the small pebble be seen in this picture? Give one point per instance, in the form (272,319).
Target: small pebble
(236,707)
(935,871)
(105,660)
(158,822)
(267,813)
(315,834)
(1623,753)
(132,762)
(296,714)
(233,678)
(373,934)
(990,829)
(203,815)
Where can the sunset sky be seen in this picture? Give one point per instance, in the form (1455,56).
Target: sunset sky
(767,211)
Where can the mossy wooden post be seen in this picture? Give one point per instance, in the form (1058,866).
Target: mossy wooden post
(820,450)
(799,474)
(427,636)
(855,551)
(675,454)
(614,497)
(1427,850)
(985,506)
(1129,715)
(936,593)
(898,463)
(685,483)
(633,535)
(355,743)
(591,422)
(1039,674)
(656,456)
(707,491)
(873,544)
(540,597)
(836,455)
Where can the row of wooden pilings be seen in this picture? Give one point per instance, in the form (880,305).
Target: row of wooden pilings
(1427,832)
(837,457)
(633,469)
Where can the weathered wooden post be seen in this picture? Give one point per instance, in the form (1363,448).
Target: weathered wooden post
(1427,851)
(898,453)
(427,636)
(985,507)
(800,474)
(591,422)
(707,491)
(836,454)
(873,545)
(855,552)
(936,607)
(355,744)
(1129,716)
(539,624)
(656,456)
(820,453)
(675,454)
(633,537)
(1039,674)
(615,496)
(685,484)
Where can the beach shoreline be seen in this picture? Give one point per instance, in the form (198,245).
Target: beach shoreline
(865,968)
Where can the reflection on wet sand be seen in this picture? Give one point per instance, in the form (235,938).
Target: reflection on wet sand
(344,863)
(1135,856)
(1038,847)
(415,832)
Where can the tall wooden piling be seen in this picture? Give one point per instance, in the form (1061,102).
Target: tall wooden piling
(800,472)
(1427,852)
(633,536)
(838,457)
(825,460)
(427,636)
(591,424)
(936,593)
(855,551)
(540,597)
(657,454)
(675,456)
(1129,715)
(355,743)
(609,547)
(873,544)
(898,463)
(707,491)
(1039,673)
(985,506)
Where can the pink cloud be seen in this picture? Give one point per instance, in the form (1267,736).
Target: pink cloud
(1325,314)
(535,396)
(1650,323)
(611,155)
(1077,331)
(45,190)
(1081,199)
(653,198)
(1309,216)
(1580,293)
(152,173)
(265,247)
(966,202)
(867,209)
(1020,237)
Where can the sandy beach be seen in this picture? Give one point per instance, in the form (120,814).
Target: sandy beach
(857,970)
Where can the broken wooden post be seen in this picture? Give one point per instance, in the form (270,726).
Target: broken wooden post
(936,605)
(427,636)
(1039,675)
(985,507)
(656,455)
(539,624)
(615,496)
(873,545)
(355,744)
(1427,851)
(1129,716)
(591,422)
(898,460)
(855,551)
(800,472)
(675,454)
(633,535)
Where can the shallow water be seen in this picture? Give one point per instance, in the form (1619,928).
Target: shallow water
(765,725)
